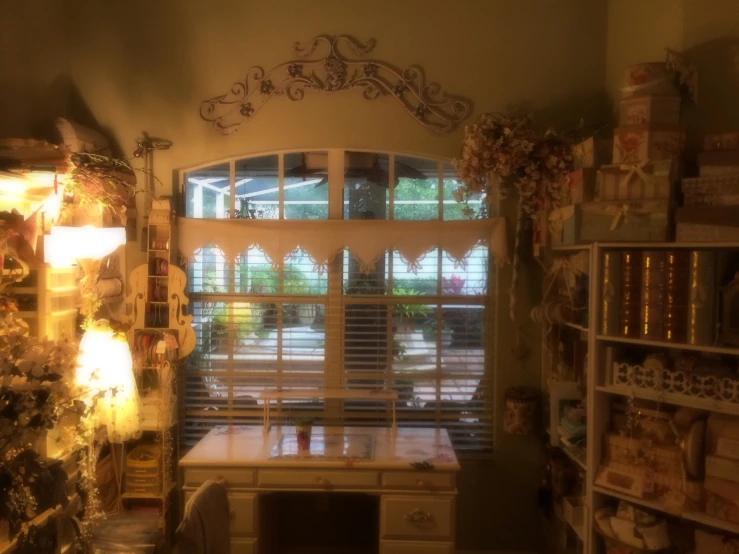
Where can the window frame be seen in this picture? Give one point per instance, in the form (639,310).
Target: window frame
(335,301)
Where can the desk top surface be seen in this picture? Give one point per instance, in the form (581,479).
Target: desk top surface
(331,447)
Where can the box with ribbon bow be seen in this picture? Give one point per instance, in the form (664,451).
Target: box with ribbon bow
(636,143)
(659,109)
(564,224)
(581,186)
(592,152)
(645,221)
(646,180)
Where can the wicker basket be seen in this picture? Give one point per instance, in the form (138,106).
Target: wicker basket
(144,460)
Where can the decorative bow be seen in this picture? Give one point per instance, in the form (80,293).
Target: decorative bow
(634,169)
(558,217)
(569,271)
(622,212)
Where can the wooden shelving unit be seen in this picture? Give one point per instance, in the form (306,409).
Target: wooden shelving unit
(151,285)
(730,350)
(555,435)
(601,390)
(697,517)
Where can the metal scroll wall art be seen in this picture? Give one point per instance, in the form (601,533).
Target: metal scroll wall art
(428,104)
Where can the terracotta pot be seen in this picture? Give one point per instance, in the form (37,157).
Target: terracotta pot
(521,405)
(303,432)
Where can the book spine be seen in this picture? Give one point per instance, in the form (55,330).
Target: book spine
(676,297)
(630,294)
(652,295)
(611,293)
(702,291)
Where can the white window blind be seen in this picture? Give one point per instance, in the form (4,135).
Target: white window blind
(423,330)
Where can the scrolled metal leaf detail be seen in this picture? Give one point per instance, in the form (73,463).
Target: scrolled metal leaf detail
(322,67)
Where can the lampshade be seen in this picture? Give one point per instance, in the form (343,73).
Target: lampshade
(106,369)
(65,245)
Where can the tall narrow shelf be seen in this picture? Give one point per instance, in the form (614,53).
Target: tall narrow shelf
(155,342)
(556,436)
(602,388)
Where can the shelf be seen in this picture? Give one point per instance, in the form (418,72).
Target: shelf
(149,496)
(578,459)
(157,250)
(570,247)
(672,398)
(578,530)
(575,326)
(697,517)
(158,276)
(670,245)
(35,314)
(732,351)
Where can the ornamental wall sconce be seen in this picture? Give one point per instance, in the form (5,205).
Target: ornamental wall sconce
(428,104)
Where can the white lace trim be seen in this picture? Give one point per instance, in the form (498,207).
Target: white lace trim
(322,240)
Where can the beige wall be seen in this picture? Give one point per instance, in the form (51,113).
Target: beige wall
(706,30)
(639,31)
(145,66)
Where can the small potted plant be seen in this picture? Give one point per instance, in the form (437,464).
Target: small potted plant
(303,426)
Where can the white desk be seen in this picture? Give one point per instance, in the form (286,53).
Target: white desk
(413,472)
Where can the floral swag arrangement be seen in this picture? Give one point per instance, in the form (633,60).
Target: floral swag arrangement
(506,155)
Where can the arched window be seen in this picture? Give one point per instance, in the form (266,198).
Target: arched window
(313,316)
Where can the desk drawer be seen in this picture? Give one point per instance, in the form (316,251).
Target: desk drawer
(414,547)
(243,513)
(243,508)
(318,479)
(243,546)
(425,518)
(423,481)
(194,477)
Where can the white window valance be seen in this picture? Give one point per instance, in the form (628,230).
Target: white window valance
(322,240)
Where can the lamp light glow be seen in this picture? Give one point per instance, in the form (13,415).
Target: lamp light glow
(105,370)
(65,245)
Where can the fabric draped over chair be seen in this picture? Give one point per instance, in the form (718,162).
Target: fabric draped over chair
(322,240)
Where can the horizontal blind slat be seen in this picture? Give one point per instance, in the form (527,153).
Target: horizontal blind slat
(421,334)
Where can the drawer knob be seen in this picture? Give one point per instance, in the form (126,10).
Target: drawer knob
(233,514)
(420,482)
(419,517)
(320,481)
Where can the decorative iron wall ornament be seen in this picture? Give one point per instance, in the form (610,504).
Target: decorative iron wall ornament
(428,104)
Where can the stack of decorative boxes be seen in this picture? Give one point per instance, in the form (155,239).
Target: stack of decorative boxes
(636,192)
(722,468)
(564,222)
(711,201)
